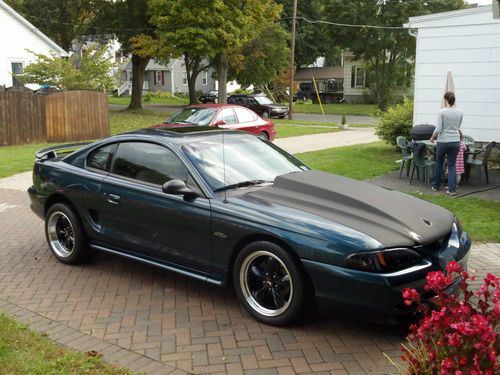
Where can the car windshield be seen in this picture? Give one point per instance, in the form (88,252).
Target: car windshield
(195,116)
(249,160)
(263,100)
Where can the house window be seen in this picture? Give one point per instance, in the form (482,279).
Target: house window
(17,68)
(158,78)
(360,77)
(184,78)
(204,78)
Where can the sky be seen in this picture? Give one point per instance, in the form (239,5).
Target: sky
(480,2)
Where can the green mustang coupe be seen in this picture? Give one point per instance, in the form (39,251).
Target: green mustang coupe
(229,208)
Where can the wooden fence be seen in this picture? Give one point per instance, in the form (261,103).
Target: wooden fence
(66,116)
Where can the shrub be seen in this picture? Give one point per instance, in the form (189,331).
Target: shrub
(398,120)
(161,94)
(459,337)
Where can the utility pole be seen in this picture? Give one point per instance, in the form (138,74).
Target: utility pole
(292,62)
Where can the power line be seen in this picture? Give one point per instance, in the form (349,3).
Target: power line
(351,25)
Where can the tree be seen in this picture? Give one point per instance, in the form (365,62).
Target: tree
(388,53)
(61,21)
(262,59)
(311,39)
(210,29)
(181,32)
(91,73)
(127,19)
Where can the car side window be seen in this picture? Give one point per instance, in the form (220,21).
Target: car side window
(101,158)
(250,101)
(148,162)
(245,115)
(227,115)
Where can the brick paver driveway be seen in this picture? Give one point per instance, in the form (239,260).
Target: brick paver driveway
(152,320)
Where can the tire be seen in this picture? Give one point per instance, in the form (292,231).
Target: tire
(265,115)
(269,283)
(264,136)
(65,235)
(281,116)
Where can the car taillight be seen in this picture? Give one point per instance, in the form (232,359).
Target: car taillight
(384,261)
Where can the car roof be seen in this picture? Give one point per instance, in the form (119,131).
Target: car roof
(212,105)
(252,95)
(176,134)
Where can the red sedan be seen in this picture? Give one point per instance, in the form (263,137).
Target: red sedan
(226,116)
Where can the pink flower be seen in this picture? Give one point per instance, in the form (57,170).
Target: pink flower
(411,295)
(437,281)
(453,267)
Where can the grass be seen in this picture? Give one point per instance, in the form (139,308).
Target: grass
(337,109)
(125,100)
(26,352)
(285,131)
(16,159)
(123,121)
(358,161)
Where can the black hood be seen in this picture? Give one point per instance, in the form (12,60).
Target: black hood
(392,218)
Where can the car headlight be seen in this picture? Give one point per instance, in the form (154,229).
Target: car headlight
(384,261)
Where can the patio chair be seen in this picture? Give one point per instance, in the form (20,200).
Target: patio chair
(424,166)
(402,143)
(480,164)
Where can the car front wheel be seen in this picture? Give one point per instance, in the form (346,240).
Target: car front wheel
(65,235)
(269,283)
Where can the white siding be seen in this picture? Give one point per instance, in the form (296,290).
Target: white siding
(469,45)
(348,90)
(15,39)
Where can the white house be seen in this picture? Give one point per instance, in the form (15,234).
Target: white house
(17,36)
(467,42)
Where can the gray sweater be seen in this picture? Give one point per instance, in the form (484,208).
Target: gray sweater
(448,124)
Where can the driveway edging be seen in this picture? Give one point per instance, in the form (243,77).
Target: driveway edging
(82,342)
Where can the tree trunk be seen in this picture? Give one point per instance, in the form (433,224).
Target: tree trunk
(222,66)
(139,64)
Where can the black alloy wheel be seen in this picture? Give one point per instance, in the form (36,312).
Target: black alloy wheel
(269,283)
(65,235)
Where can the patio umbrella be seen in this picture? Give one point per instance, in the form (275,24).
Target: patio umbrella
(450,86)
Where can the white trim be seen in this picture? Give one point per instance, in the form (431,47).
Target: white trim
(356,68)
(184,76)
(204,78)
(414,21)
(33,29)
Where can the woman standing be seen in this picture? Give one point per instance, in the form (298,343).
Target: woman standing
(448,143)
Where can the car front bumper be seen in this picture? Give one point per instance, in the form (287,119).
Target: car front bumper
(378,297)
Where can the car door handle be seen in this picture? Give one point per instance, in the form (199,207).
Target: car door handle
(113,198)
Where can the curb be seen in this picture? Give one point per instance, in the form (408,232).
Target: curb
(77,340)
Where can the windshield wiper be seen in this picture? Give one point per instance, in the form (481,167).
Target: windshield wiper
(243,184)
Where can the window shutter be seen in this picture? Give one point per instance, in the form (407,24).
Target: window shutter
(163,78)
(154,78)
(353,76)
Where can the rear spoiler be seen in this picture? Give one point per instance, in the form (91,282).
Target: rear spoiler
(50,152)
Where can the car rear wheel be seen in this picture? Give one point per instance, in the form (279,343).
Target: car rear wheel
(65,235)
(269,283)
(264,136)
(265,114)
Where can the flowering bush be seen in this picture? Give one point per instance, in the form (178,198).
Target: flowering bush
(459,337)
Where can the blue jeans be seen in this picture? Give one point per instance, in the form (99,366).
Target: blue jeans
(450,149)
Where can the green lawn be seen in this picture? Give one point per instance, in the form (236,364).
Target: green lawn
(360,161)
(284,131)
(16,159)
(125,100)
(337,109)
(123,121)
(26,352)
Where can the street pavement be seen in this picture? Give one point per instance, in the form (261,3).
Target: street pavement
(351,119)
(158,322)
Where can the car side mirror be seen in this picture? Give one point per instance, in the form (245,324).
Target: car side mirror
(178,187)
(219,123)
